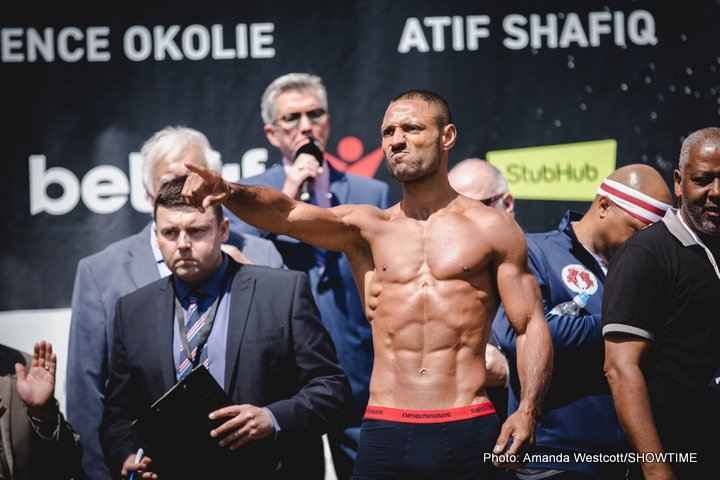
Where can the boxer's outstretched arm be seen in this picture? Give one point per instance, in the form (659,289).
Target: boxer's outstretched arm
(273,211)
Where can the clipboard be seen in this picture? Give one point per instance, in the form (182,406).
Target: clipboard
(176,428)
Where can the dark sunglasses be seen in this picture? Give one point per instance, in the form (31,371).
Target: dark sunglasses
(291,120)
(489,201)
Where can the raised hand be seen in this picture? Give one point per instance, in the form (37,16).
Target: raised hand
(204,188)
(37,386)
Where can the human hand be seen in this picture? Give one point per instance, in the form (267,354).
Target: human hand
(520,426)
(658,471)
(247,422)
(142,469)
(235,253)
(36,386)
(305,166)
(204,187)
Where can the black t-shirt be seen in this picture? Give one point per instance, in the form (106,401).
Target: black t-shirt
(664,291)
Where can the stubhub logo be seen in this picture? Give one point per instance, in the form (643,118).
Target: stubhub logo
(106,189)
(568,172)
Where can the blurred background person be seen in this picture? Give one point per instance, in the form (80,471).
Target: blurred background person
(477,179)
(36,443)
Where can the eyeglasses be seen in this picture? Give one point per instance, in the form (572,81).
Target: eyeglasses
(292,120)
(490,200)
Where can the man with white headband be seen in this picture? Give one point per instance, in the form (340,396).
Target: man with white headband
(579,417)
(661,321)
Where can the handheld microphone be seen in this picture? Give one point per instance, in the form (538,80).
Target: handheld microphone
(312,148)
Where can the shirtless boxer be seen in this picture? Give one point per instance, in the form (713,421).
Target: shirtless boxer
(432,271)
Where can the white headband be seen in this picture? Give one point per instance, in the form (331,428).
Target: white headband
(639,205)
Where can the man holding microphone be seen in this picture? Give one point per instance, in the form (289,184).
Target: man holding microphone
(295,113)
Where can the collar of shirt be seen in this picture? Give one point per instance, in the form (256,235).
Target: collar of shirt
(157,254)
(321,186)
(211,287)
(675,222)
(679,229)
(600,261)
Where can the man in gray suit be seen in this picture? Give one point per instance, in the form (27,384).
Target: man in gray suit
(123,267)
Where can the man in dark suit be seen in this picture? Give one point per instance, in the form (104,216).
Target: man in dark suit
(134,261)
(295,112)
(266,347)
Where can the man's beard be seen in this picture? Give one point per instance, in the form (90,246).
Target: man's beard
(700,222)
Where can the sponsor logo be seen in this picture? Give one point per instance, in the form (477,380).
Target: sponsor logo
(556,172)
(350,157)
(105,189)
(579,279)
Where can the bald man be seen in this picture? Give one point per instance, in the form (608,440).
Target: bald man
(477,179)
(579,416)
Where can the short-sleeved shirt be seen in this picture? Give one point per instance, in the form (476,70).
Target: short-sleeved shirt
(661,286)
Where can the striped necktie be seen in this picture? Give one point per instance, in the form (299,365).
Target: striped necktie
(194,323)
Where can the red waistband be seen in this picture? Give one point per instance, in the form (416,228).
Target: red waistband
(429,416)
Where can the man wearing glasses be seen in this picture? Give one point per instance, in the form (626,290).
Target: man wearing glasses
(294,109)
(579,418)
(477,179)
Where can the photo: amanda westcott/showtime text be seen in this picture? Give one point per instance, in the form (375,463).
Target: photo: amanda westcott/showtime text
(621,457)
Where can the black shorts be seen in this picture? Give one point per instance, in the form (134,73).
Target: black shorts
(443,451)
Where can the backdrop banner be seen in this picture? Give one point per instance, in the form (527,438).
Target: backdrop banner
(573,88)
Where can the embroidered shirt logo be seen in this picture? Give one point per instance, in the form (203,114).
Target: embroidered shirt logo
(579,279)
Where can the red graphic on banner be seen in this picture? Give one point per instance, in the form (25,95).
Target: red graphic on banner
(350,157)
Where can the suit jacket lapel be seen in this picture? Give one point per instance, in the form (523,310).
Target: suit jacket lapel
(243,288)
(165,321)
